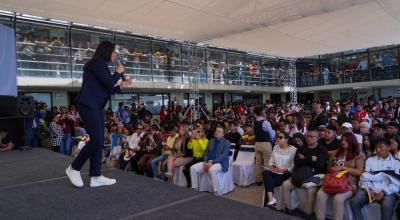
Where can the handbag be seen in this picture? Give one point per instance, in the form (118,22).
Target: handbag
(336,182)
(299,174)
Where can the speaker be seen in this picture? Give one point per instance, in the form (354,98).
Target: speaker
(25,106)
(13,107)
(15,130)
(8,106)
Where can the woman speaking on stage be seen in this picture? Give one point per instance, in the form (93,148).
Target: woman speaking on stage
(97,87)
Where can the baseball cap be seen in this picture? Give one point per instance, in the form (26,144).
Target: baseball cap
(347,125)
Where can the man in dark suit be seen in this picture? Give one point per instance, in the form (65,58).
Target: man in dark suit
(319,117)
(97,86)
(216,159)
(346,115)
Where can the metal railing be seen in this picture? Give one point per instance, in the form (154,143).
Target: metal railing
(56,62)
(350,76)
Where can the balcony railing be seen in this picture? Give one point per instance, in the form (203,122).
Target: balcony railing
(350,76)
(55,62)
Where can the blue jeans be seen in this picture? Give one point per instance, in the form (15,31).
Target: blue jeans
(31,137)
(66,144)
(361,199)
(155,162)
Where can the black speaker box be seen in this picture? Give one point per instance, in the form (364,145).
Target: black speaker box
(20,106)
(25,106)
(15,130)
(8,106)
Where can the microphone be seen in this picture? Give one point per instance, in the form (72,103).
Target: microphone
(123,77)
(119,63)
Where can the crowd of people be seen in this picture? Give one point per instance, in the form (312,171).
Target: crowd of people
(296,146)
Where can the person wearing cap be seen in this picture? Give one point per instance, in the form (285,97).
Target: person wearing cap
(329,140)
(347,127)
(346,115)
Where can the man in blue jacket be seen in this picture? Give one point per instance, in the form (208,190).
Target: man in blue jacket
(216,159)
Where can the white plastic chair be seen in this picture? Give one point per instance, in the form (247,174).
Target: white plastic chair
(243,167)
(225,180)
(179,178)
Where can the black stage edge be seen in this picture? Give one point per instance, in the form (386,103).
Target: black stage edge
(33,185)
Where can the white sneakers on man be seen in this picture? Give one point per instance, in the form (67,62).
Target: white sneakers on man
(101,181)
(74,176)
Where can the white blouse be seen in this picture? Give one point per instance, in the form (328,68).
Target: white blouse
(283,158)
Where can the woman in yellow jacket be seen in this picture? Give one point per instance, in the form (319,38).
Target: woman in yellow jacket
(198,144)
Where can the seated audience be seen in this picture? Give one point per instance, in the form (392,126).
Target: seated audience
(280,167)
(216,159)
(309,161)
(348,157)
(181,155)
(379,183)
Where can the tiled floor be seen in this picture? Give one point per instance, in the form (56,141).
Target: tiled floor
(251,195)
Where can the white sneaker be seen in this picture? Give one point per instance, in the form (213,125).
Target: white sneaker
(272,203)
(74,176)
(101,181)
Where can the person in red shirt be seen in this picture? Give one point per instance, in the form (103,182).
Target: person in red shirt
(66,122)
(360,113)
(240,109)
(164,116)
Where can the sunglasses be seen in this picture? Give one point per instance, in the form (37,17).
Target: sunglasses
(280,137)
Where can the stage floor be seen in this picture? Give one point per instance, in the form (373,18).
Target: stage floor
(33,185)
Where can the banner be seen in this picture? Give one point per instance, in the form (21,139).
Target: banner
(8,62)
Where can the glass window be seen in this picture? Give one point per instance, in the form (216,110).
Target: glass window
(356,67)
(186,99)
(216,61)
(235,71)
(281,72)
(268,71)
(134,54)
(383,63)
(42,50)
(331,68)
(166,58)
(41,97)
(237,98)
(193,59)
(152,102)
(309,71)
(126,98)
(253,76)
(84,43)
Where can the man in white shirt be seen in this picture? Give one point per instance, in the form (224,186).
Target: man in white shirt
(379,183)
